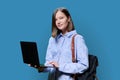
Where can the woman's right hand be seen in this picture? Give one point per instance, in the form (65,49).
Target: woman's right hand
(35,66)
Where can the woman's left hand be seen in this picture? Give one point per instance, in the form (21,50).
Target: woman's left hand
(55,64)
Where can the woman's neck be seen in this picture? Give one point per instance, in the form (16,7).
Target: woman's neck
(64,32)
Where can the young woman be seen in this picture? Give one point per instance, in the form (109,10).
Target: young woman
(59,52)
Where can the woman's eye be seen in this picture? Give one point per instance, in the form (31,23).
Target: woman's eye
(61,17)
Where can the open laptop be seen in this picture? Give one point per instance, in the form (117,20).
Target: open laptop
(30,54)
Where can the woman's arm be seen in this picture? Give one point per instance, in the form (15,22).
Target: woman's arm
(49,51)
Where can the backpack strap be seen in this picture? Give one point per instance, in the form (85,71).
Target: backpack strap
(73,49)
(73,54)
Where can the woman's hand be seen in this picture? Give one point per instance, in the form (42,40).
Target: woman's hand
(35,66)
(55,64)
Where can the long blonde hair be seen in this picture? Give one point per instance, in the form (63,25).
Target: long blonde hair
(55,30)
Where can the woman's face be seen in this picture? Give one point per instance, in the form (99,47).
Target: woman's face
(61,21)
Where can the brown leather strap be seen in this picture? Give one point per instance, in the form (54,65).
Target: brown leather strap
(73,49)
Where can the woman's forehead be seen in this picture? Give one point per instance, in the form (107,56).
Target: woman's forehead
(59,13)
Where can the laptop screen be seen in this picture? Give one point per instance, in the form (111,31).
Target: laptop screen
(29,52)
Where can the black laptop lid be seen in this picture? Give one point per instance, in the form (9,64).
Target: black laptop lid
(29,52)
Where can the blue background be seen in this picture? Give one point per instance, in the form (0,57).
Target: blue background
(30,20)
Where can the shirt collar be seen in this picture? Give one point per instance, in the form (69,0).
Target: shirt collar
(68,34)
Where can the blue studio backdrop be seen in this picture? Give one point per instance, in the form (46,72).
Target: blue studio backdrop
(30,20)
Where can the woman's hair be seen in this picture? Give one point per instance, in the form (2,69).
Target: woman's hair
(55,30)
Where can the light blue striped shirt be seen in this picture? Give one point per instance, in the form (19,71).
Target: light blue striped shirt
(59,50)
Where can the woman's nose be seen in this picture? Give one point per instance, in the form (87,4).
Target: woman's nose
(58,22)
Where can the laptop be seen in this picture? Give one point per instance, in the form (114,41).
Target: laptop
(30,54)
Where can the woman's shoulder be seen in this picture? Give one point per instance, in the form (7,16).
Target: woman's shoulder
(52,39)
(79,36)
(74,32)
